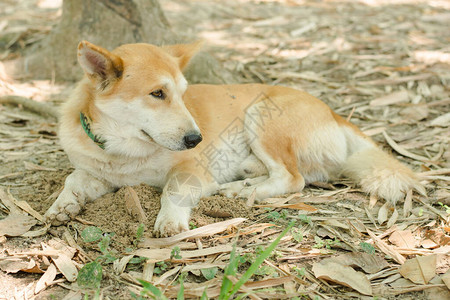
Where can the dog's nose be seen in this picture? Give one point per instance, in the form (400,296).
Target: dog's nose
(192,140)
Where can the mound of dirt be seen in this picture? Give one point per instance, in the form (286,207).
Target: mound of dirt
(110,213)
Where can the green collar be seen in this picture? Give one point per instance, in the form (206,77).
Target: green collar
(86,124)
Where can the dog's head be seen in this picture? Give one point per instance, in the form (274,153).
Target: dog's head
(140,87)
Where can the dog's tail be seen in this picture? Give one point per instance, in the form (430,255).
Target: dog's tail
(377,172)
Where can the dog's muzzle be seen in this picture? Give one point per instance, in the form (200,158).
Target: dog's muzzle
(192,140)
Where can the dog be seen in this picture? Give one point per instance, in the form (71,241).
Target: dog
(133,119)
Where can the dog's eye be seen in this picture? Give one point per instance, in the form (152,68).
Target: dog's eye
(158,94)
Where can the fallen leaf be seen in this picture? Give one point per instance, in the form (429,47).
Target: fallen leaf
(248,230)
(403,239)
(392,219)
(16,224)
(120,265)
(9,202)
(344,275)
(419,270)
(415,113)
(442,121)
(27,208)
(385,248)
(397,97)
(164,276)
(38,232)
(300,206)
(14,265)
(133,205)
(156,255)
(218,214)
(45,279)
(428,244)
(203,231)
(407,206)
(446,278)
(267,283)
(383,213)
(402,150)
(66,266)
(33,167)
(63,260)
(368,262)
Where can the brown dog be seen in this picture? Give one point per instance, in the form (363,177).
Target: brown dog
(133,119)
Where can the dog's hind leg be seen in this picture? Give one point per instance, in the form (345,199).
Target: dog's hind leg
(233,189)
(79,187)
(283,178)
(271,140)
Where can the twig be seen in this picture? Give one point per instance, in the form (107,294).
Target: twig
(42,109)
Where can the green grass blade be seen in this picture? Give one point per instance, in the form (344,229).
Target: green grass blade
(153,289)
(259,260)
(231,269)
(204,295)
(242,296)
(180,295)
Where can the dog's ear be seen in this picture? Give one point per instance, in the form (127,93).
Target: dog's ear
(99,64)
(183,52)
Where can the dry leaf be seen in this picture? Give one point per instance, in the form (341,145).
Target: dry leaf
(33,167)
(9,202)
(385,248)
(66,266)
(46,279)
(403,239)
(166,275)
(407,207)
(133,204)
(73,295)
(272,282)
(218,213)
(147,272)
(16,224)
(442,121)
(368,262)
(300,206)
(203,231)
(419,270)
(248,230)
(199,266)
(402,150)
(345,275)
(392,219)
(120,265)
(446,278)
(14,265)
(428,244)
(63,259)
(38,232)
(415,113)
(27,208)
(397,97)
(383,213)
(156,255)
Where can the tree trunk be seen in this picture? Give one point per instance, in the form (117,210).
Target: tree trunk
(110,23)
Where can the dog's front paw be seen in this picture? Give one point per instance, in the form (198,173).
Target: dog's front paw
(65,208)
(168,224)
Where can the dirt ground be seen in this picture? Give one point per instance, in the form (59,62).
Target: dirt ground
(385,64)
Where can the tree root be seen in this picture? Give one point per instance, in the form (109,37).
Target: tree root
(42,109)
